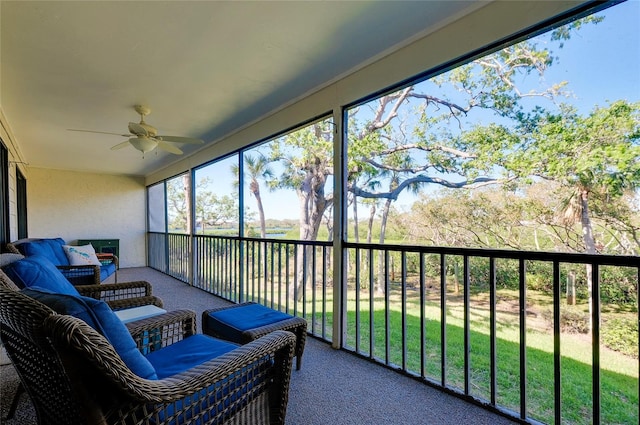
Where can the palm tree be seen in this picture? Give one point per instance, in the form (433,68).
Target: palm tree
(255,168)
(258,168)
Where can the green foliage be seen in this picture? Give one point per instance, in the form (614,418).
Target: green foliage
(573,319)
(621,334)
(618,286)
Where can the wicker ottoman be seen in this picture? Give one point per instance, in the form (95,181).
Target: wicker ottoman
(243,323)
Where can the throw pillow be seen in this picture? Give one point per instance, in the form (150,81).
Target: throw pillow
(99,316)
(39,271)
(81,255)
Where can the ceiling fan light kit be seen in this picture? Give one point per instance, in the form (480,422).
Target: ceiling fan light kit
(145,137)
(143,144)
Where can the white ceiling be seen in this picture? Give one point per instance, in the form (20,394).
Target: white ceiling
(204,68)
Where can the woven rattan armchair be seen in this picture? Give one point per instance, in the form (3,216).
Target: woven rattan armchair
(74,376)
(118,296)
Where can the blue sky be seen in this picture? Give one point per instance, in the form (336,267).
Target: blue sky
(601,63)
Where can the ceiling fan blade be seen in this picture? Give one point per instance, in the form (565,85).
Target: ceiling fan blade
(120,145)
(169,147)
(99,132)
(177,139)
(137,129)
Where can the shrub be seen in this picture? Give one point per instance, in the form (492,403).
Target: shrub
(572,319)
(621,334)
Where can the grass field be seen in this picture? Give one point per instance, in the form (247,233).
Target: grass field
(619,373)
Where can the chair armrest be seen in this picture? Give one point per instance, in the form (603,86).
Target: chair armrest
(88,274)
(135,302)
(116,291)
(163,329)
(106,256)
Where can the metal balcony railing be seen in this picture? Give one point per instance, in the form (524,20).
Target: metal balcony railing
(494,327)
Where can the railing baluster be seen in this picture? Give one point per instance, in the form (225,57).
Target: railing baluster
(357,297)
(557,390)
(595,341)
(492,329)
(239,268)
(467,345)
(387,348)
(325,257)
(443,320)
(295,280)
(272,273)
(522,274)
(279,262)
(403,307)
(371,306)
(313,289)
(422,288)
(287,281)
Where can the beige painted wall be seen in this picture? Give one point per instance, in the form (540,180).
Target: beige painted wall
(75,205)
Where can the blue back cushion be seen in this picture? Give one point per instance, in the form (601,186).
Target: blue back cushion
(100,317)
(39,271)
(50,248)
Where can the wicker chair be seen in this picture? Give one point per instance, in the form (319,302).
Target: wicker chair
(118,296)
(74,375)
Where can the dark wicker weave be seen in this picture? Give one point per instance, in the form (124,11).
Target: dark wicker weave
(74,376)
(78,275)
(296,325)
(117,295)
(122,295)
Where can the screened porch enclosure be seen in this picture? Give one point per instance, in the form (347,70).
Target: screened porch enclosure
(473,226)
(470,337)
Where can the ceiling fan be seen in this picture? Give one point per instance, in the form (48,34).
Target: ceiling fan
(145,138)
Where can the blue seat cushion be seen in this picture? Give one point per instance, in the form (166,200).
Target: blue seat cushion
(50,248)
(231,322)
(191,352)
(185,354)
(99,316)
(107,270)
(37,270)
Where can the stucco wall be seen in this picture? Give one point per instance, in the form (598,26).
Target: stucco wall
(76,205)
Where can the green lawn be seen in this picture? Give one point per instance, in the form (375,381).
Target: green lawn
(619,376)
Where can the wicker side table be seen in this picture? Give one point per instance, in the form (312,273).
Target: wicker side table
(243,323)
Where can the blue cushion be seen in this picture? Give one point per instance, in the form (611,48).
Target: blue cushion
(38,271)
(107,270)
(99,316)
(185,354)
(50,248)
(231,322)
(192,352)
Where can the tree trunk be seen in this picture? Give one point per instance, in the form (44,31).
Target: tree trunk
(589,242)
(383,227)
(263,223)
(456,273)
(571,288)
(187,197)
(312,207)
(356,237)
